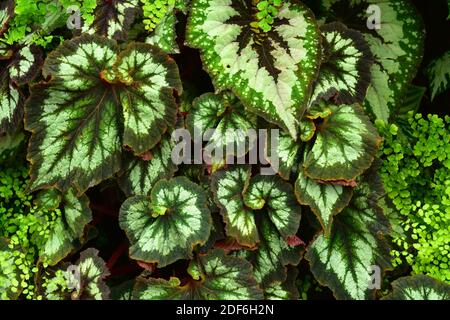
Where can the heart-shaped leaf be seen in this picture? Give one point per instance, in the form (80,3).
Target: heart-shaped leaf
(345,69)
(343,260)
(68,229)
(141,174)
(345,145)
(325,200)
(277,197)
(228,186)
(96,101)
(215,276)
(19,66)
(226,115)
(395,33)
(273,255)
(113,18)
(419,287)
(271,72)
(166,226)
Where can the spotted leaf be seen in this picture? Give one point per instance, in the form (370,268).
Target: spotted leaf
(345,70)
(228,186)
(273,256)
(166,226)
(226,115)
(96,101)
(345,145)
(343,260)
(396,43)
(19,66)
(164,35)
(277,197)
(68,229)
(141,173)
(325,200)
(419,287)
(113,18)
(214,276)
(271,72)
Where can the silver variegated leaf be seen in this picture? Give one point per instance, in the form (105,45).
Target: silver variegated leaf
(68,229)
(277,197)
(345,70)
(345,260)
(164,35)
(234,129)
(113,18)
(6,14)
(19,66)
(228,186)
(215,276)
(141,173)
(286,290)
(96,101)
(271,72)
(287,152)
(325,200)
(345,145)
(273,256)
(396,42)
(439,75)
(166,226)
(419,287)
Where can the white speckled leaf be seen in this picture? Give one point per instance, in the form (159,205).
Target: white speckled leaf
(272,73)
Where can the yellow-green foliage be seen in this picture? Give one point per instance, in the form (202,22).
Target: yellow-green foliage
(416,175)
(154,11)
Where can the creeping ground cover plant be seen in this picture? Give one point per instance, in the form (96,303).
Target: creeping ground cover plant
(224,150)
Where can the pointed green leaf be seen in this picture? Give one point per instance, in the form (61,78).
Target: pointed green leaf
(345,70)
(18,68)
(226,115)
(271,72)
(95,102)
(113,18)
(166,226)
(68,229)
(277,196)
(325,200)
(164,36)
(343,261)
(397,45)
(215,276)
(345,145)
(439,75)
(286,290)
(228,186)
(419,287)
(273,255)
(92,272)
(140,174)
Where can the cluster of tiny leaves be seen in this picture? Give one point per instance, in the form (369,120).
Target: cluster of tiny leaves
(154,11)
(416,175)
(267,10)
(26,226)
(34,20)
